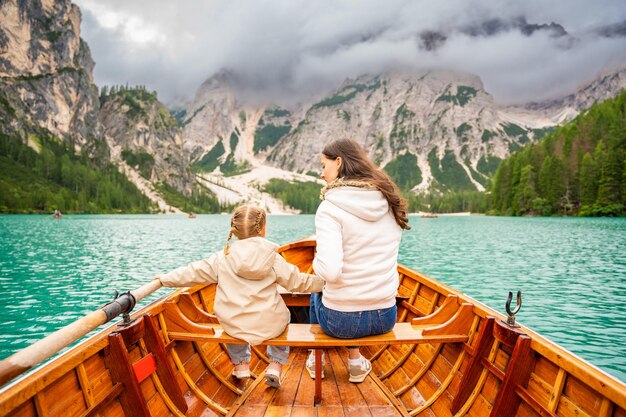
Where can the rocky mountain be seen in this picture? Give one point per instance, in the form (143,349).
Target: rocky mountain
(217,113)
(432,130)
(145,137)
(436,124)
(46,73)
(561,110)
(47,87)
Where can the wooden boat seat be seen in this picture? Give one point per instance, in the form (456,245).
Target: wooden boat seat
(448,324)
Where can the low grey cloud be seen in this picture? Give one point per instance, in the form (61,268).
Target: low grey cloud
(283,50)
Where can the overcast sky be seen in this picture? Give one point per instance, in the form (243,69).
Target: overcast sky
(289,48)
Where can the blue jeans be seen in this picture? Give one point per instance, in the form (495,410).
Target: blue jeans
(241,353)
(351,324)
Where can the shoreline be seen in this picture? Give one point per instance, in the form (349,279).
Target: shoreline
(456,214)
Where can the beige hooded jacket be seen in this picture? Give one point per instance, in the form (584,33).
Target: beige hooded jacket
(247,301)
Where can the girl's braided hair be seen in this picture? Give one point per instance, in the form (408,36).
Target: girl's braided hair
(247,221)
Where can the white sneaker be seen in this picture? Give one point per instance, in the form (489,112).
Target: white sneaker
(358,373)
(273,373)
(310,365)
(241,370)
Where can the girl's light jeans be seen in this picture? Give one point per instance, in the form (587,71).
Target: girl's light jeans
(241,353)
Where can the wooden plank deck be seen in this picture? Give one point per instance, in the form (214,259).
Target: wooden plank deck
(341,398)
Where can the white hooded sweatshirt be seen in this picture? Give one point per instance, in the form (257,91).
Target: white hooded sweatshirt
(357,249)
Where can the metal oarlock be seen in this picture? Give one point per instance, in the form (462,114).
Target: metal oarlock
(121,304)
(511,319)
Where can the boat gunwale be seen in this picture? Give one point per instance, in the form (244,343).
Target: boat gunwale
(50,370)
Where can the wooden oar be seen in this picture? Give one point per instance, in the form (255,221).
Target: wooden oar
(30,356)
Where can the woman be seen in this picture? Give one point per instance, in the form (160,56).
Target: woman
(358,227)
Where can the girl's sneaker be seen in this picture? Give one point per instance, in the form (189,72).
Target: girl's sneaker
(273,374)
(310,364)
(241,370)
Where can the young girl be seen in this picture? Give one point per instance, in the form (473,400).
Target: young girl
(247,301)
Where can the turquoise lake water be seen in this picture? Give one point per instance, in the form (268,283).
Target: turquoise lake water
(572,271)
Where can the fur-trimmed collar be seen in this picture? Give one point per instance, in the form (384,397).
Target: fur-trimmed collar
(340,182)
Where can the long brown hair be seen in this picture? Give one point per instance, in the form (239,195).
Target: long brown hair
(247,221)
(356,165)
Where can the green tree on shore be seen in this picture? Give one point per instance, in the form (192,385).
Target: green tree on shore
(580,168)
(54,177)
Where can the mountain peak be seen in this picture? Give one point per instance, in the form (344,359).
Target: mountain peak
(562,109)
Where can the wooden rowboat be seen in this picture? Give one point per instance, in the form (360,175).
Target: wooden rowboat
(144,370)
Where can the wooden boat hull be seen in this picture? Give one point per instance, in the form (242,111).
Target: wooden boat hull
(500,371)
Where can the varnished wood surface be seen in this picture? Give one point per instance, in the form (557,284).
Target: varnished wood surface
(341,398)
(311,335)
(412,376)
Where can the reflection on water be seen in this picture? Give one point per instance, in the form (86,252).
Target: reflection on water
(572,272)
